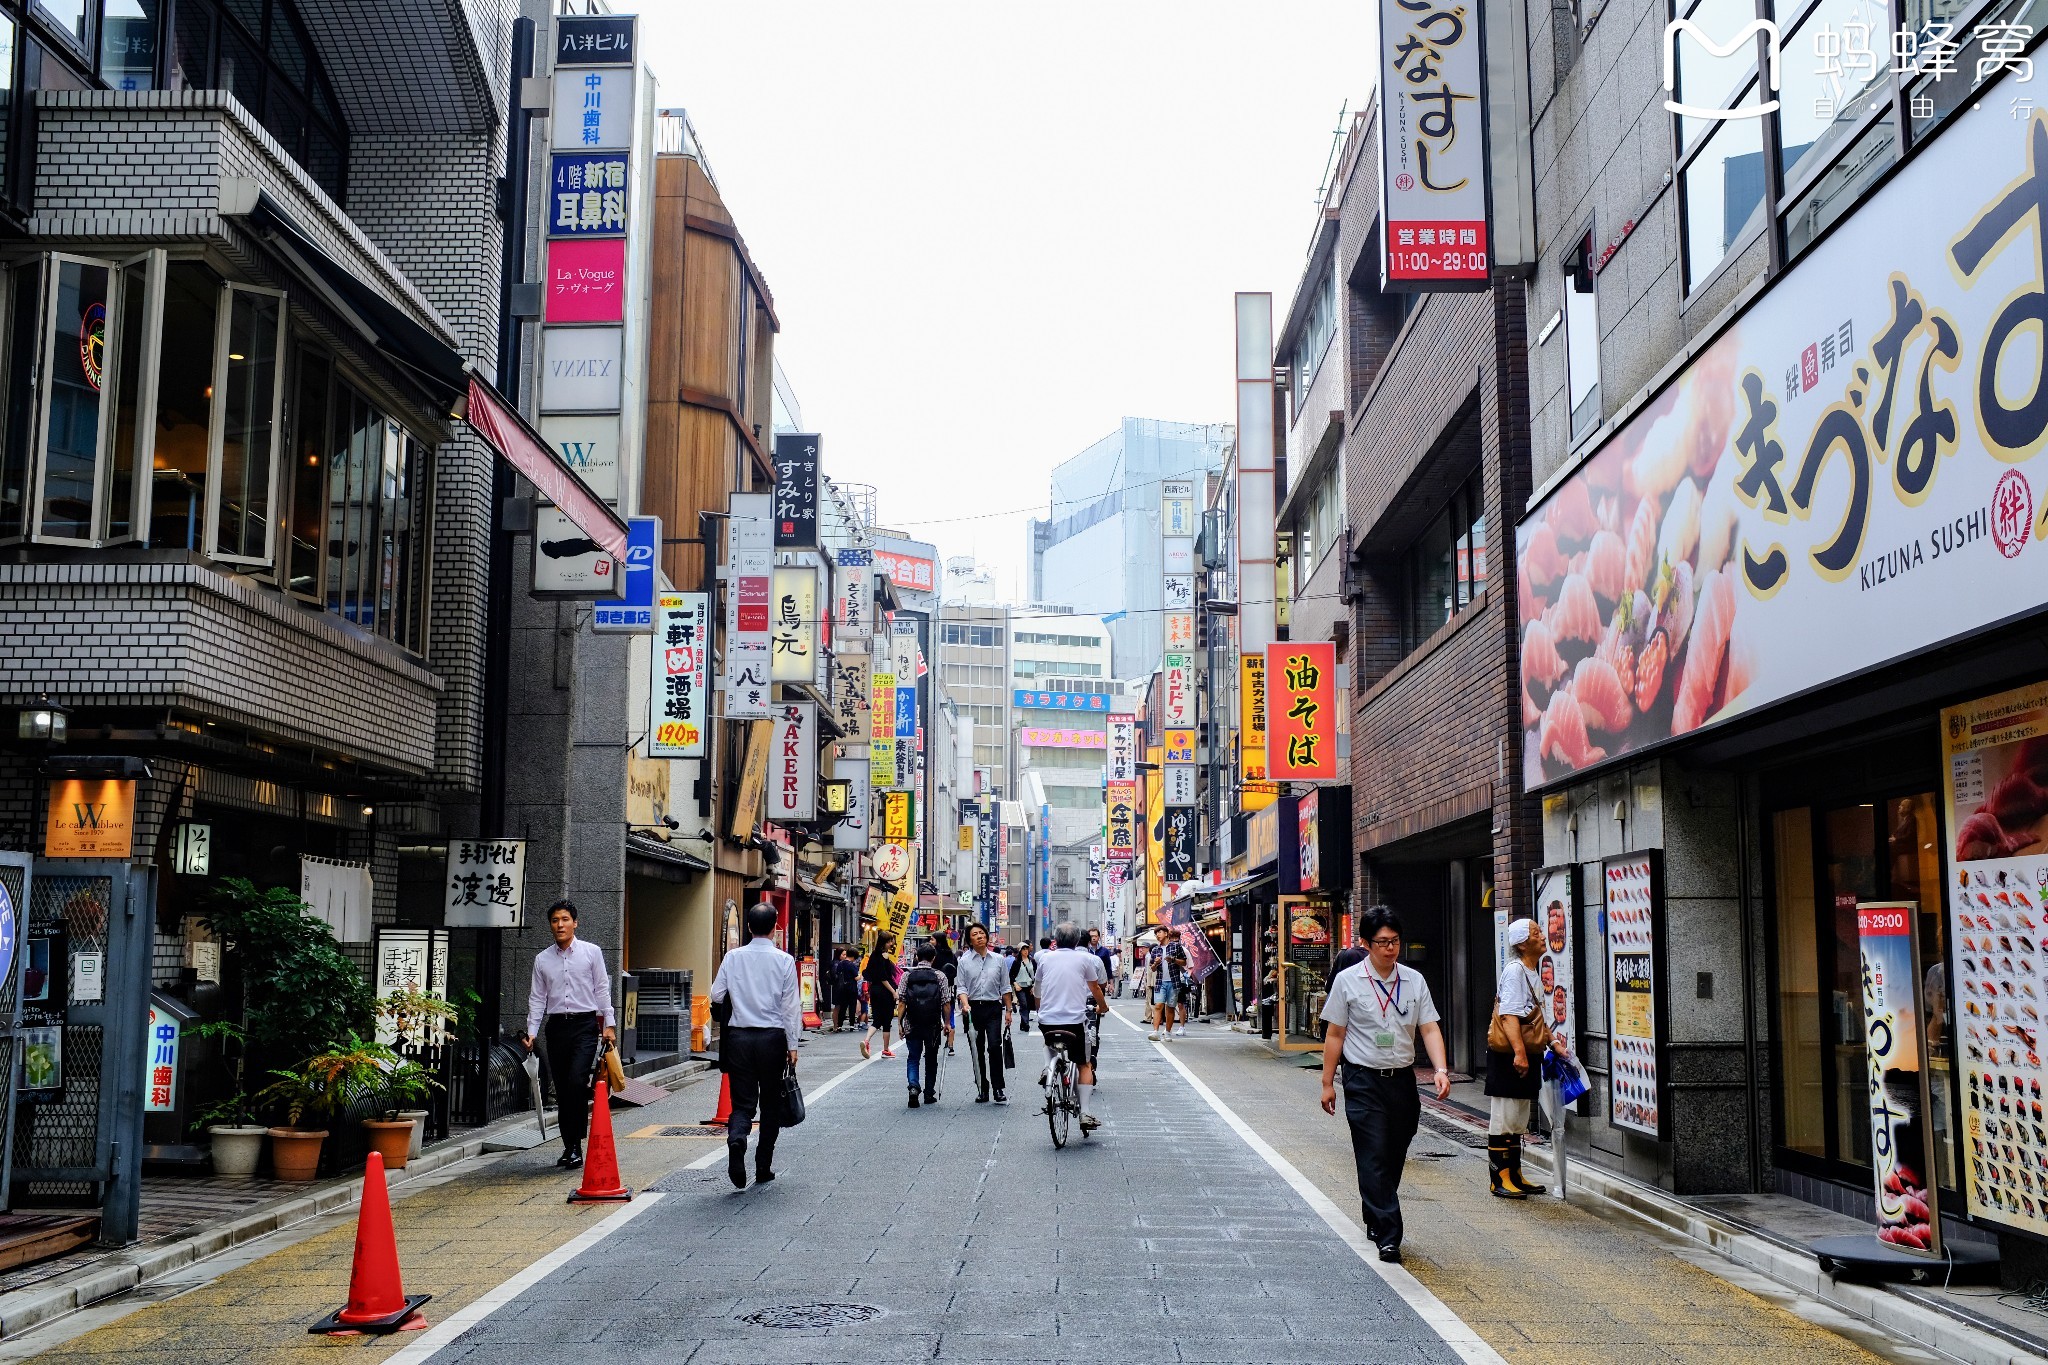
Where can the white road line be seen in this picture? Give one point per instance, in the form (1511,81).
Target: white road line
(1453,1329)
(811,1097)
(423,1347)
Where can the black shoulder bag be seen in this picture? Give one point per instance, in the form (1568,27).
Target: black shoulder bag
(792,1099)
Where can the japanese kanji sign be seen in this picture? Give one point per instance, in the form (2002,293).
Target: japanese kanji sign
(486,883)
(1176,507)
(853,599)
(793,624)
(796,491)
(1251,714)
(587,194)
(679,703)
(1180,784)
(594,39)
(1122,743)
(1433,162)
(1177,700)
(161,1092)
(793,766)
(897,821)
(593,109)
(1301,711)
(882,739)
(750,564)
(1123,820)
(1177,849)
(850,693)
(1180,746)
(853,830)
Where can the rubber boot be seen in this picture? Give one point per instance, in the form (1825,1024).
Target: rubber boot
(1498,1170)
(1522,1182)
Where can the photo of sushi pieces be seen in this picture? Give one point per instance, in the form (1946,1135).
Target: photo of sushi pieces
(1629,887)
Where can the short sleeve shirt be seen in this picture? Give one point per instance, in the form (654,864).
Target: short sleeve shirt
(1063,977)
(1517,989)
(1379,1017)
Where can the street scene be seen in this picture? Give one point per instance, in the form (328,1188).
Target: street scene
(1102,682)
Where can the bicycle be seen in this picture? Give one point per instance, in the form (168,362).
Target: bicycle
(1061,1082)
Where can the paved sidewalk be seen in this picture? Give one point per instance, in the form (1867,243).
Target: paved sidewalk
(1540,1280)
(1163,1238)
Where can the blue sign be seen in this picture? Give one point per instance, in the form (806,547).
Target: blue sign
(587,194)
(1060,701)
(634,612)
(906,712)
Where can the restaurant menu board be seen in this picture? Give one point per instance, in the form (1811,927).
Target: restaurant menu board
(1557,914)
(1997,805)
(1631,888)
(1899,1133)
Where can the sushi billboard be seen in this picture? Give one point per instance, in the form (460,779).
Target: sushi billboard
(1846,476)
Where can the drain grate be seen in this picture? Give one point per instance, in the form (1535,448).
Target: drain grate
(692,1130)
(801,1316)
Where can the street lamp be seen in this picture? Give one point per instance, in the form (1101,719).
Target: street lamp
(44,723)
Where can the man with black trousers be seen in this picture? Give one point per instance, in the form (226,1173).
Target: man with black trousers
(571,997)
(759,1043)
(1375,1012)
(845,990)
(927,996)
(985,985)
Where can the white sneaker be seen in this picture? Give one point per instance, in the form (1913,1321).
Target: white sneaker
(1153,1036)
(1180,1031)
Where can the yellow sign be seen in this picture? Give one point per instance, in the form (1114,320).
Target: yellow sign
(90,818)
(897,817)
(647,793)
(882,736)
(967,838)
(1180,746)
(1155,819)
(1251,715)
(746,807)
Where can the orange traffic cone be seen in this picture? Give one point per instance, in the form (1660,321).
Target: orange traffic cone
(377,1301)
(723,1118)
(601,1166)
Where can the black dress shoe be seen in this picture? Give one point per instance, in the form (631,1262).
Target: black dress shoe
(762,1175)
(736,1164)
(566,1159)
(981,1098)
(572,1161)
(930,1097)
(1002,1098)
(913,1097)
(1390,1252)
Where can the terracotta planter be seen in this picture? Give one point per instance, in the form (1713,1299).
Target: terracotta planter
(419,1128)
(236,1149)
(392,1139)
(295,1152)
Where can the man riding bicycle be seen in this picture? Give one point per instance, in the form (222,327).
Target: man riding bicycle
(1070,980)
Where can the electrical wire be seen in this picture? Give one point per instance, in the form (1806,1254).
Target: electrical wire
(1019,511)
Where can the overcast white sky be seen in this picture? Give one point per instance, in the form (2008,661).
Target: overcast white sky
(992,231)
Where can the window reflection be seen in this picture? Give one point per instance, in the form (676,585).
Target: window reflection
(24,315)
(1722,188)
(1835,64)
(128,30)
(248,424)
(69,16)
(1703,80)
(184,406)
(76,357)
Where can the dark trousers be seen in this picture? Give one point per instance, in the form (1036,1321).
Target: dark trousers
(986,1043)
(572,1058)
(754,1059)
(916,1042)
(1383,1109)
(845,1005)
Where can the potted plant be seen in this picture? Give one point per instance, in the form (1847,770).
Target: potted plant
(235,1128)
(295,1148)
(394,1129)
(418,1023)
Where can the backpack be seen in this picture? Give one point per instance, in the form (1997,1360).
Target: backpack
(924,997)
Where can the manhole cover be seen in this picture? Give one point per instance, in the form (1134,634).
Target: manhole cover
(797,1316)
(692,1130)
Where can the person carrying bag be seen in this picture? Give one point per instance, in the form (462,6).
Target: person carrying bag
(1515,1041)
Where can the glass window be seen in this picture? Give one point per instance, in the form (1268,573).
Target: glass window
(285,117)
(1802,1115)
(7,42)
(129,441)
(1722,189)
(128,30)
(1703,80)
(184,406)
(1581,338)
(1446,567)
(75,366)
(1842,184)
(241,70)
(310,446)
(70,17)
(191,46)
(288,50)
(248,427)
(25,298)
(1835,64)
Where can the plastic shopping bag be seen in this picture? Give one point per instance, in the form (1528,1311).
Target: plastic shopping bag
(1569,1075)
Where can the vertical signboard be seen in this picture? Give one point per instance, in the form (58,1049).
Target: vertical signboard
(793,625)
(587,194)
(751,552)
(850,688)
(633,612)
(586,281)
(1251,715)
(677,704)
(486,884)
(852,832)
(1901,1133)
(1176,507)
(793,766)
(1556,891)
(1301,711)
(1177,697)
(1433,163)
(853,600)
(1634,924)
(882,734)
(1996,798)
(593,108)
(1177,847)
(1122,743)
(796,491)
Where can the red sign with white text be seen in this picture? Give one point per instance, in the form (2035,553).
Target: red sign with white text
(1301,711)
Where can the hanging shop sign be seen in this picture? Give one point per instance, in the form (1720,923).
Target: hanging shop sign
(1122,809)
(1308,838)
(1121,740)
(1301,717)
(486,886)
(1037,737)
(90,818)
(1634,913)
(748,800)
(679,710)
(1179,593)
(1849,474)
(853,599)
(1177,846)
(593,108)
(1178,629)
(796,490)
(915,572)
(417,960)
(580,369)
(1433,155)
(1555,894)
(1178,782)
(192,855)
(162,1036)
(882,736)
(1177,691)
(1251,715)
(587,194)
(594,40)
(1996,807)
(851,834)
(1058,701)
(633,613)
(750,550)
(850,693)
(586,280)
(793,624)
(793,785)
(647,792)
(1180,746)
(898,824)
(588,444)
(568,563)
(1176,507)
(1901,1127)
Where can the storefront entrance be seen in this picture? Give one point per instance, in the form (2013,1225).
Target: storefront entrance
(1825,857)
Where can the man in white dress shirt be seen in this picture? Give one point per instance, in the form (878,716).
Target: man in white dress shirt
(759,1041)
(572,993)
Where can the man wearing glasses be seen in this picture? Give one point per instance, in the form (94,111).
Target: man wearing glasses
(1374,1011)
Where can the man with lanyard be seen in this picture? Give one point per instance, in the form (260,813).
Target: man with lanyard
(571,997)
(985,984)
(1374,1012)
(1070,979)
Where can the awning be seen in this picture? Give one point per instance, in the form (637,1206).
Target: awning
(663,861)
(816,891)
(1212,895)
(507,433)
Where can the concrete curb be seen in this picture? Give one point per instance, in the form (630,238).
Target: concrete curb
(1919,1318)
(135,1267)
